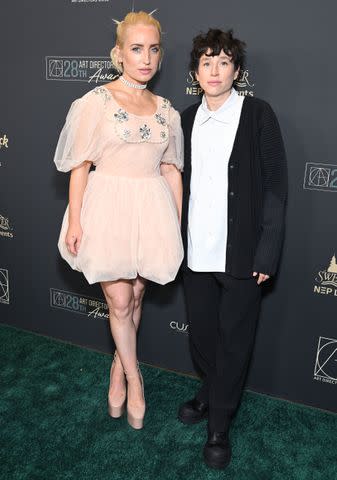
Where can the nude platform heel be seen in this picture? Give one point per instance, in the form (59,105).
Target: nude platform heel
(136,418)
(115,411)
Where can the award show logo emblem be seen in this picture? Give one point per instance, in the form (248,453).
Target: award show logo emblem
(73,302)
(326,361)
(5,229)
(320,176)
(4,286)
(327,279)
(179,327)
(80,69)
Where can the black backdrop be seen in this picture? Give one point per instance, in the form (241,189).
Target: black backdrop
(54,51)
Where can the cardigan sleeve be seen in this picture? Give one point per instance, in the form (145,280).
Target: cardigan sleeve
(274,181)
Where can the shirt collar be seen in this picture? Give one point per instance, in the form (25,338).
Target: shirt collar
(223,114)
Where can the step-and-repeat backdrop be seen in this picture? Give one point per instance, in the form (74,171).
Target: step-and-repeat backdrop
(55,51)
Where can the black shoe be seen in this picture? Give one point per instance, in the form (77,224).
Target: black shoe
(192,412)
(217,450)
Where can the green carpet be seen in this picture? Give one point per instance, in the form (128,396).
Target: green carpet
(54,424)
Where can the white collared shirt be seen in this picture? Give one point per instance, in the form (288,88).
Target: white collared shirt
(212,142)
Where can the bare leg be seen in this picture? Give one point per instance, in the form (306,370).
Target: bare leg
(117,380)
(121,302)
(138,292)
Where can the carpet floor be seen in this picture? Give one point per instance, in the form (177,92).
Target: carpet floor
(54,424)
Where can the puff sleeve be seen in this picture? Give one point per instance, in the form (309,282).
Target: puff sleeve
(79,138)
(174,154)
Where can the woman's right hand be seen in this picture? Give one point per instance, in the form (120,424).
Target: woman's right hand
(73,238)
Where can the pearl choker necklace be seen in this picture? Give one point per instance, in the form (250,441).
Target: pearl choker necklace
(139,86)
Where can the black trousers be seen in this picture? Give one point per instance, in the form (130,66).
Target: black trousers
(222,313)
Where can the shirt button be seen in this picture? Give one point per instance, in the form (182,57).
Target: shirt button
(229,246)
(231,194)
(231,166)
(230,220)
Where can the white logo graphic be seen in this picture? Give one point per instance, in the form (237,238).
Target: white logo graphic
(4,223)
(243,84)
(80,69)
(3,141)
(193,87)
(4,286)
(327,279)
(326,361)
(320,176)
(5,229)
(181,328)
(73,302)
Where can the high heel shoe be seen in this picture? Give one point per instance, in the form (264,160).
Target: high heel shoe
(136,415)
(115,411)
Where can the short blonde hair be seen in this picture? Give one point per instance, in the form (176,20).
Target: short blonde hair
(132,18)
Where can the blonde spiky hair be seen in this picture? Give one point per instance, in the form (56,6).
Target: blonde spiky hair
(132,18)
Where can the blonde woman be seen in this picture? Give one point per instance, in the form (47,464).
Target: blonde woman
(122,224)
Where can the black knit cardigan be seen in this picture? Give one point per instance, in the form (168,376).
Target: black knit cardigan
(257,190)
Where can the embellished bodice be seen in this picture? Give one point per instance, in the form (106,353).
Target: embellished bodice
(120,143)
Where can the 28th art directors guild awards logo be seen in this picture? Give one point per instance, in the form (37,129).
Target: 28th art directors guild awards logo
(321,177)
(77,303)
(326,361)
(80,69)
(243,85)
(326,280)
(4,286)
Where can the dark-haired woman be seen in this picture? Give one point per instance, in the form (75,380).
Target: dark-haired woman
(235,186)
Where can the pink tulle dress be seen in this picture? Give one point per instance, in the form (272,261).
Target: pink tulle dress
(129,216)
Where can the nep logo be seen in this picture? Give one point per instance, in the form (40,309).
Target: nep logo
(193,87)
(4,286)
(320,176)
(327,279)
(80,69)
(326,361)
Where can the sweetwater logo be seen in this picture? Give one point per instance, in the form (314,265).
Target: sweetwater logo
(320,176)
(5,228)
(193,87)
(179,327)
(327,280)
(4,286)
(243,85)
(326,361)
(80,69)
(73,302)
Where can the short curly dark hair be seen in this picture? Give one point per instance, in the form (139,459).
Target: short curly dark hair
(217,40)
